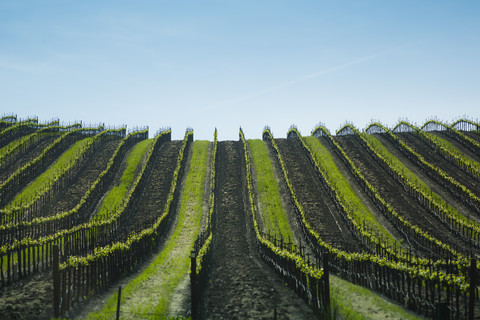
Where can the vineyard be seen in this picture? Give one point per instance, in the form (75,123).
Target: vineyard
(99,222)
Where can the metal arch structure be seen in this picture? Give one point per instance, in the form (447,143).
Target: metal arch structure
(266,133)
(9,118)
(404,126)
(375,127)
(434,125)
(163,129)
(466,125)
(320,131)
(347,129)
(293,132)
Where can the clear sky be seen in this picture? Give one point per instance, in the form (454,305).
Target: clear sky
(226,64)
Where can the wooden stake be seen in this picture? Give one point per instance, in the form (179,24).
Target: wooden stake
(118,302)
(56,281)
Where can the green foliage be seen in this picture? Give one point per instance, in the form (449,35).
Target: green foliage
(211,205)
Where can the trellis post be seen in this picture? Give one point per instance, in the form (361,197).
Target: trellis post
(56,281)
(193,284)
(473,284)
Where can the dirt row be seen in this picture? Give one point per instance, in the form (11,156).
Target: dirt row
(319,207)
(241,285)
(150,205)
(393,192)
(361,193)
(90,171)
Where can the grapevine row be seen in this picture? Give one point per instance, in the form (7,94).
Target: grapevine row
(459,136)
(447,151)
(23,144)
(63,176)
(422,238)
(401,281)
(30,170)
(41,226)
(459,224)
(81,277)
(202,243)
(82,238)
(288,263)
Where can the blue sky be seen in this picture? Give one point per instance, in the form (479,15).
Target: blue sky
(225,64)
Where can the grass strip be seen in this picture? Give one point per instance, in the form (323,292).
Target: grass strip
(117,194)
(273,216)
(353,302)
(44,180)
(348,196)
(150,293)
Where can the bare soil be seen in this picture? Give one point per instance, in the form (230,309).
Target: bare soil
(360,192)
(241,285)
(319,207)
(151,203)
(80,184)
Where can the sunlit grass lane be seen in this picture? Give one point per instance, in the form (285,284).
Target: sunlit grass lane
(150,293)
(274,217)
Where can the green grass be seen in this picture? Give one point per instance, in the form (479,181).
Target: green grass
(150,293)
(353,302)
(43,181)
(115,196)
(359,211)
(273,216)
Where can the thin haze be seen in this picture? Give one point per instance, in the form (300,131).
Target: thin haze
(226,64)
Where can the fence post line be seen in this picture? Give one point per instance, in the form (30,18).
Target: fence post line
(326,283)
(473,283)
(56,281)
(118,302)
(193,284)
